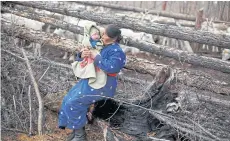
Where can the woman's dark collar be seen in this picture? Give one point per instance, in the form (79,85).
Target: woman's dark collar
(113,43)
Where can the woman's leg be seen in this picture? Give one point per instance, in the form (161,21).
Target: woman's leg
(74,109)
(62,115)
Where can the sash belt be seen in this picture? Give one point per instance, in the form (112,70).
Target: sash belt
(112,74)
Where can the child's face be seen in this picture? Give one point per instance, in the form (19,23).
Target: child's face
(95,36)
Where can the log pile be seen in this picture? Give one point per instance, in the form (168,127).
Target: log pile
(179,55)
(127,22)
(177,104)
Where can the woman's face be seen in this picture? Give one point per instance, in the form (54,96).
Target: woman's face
(106,39)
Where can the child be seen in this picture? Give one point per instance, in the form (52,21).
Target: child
(96,46)
(85,68)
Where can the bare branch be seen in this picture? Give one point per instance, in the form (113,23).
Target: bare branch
(40,101)
(30,109)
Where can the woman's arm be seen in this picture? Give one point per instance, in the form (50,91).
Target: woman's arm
(111,64)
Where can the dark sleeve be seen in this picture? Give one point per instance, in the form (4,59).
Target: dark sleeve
(111,64)
(78,57)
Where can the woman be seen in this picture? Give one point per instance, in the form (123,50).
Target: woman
(74,107)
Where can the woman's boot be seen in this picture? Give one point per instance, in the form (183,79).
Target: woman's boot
(70,136)
(79,135)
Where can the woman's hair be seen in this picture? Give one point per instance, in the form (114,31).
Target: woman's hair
(114,32)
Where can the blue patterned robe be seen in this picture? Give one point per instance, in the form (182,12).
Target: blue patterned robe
(72,113)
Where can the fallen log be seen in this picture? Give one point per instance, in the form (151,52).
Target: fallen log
(164,21)
(67,44)
(182,56)
(201,37)
(33,15)
(38,37)
(197,79)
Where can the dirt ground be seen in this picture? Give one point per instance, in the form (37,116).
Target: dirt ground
(52,133)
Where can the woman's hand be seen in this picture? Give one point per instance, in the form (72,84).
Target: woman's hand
(85,52)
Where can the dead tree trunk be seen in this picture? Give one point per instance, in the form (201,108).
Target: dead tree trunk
(179,55)
(228,11)
(38,37)
(164,5)
(183,24)
(199,19)
(189,78)
(221,12)
(194,59)
(152,28)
